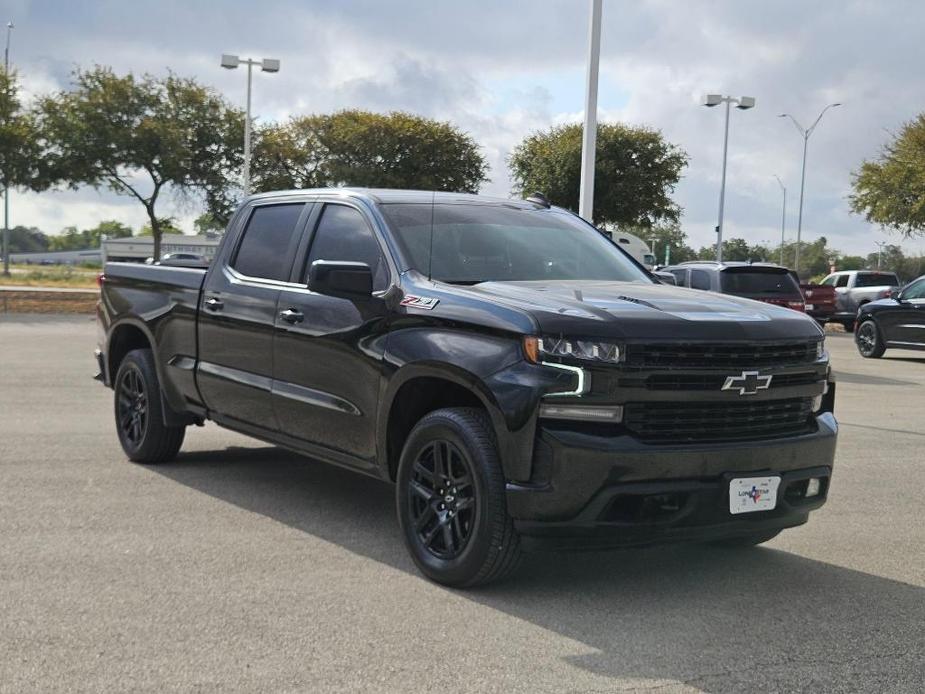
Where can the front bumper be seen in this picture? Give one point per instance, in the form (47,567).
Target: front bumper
(597,491)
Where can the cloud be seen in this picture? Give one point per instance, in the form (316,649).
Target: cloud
(503,70)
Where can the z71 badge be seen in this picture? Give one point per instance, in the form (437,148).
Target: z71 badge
(425,302)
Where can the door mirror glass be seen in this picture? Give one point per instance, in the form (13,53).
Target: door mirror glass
(340,278)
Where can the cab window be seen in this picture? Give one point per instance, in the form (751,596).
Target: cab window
(267,248)
(842,281)
(344,235)
(700,279)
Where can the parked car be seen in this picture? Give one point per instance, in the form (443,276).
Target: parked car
(518,377)
(898,321)
(820,300)
(855,288)
(771,284)
(184,260)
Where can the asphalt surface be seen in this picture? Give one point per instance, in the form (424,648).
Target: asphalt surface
(241,567)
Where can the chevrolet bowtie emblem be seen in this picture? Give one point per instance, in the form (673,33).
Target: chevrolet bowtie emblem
(749,383)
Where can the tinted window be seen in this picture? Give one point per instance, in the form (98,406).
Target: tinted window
(876,279)
(842,281)
(700,279)
(760,282)
(266,249)
(344,235)
(681,276)
(916,290)
(469,243)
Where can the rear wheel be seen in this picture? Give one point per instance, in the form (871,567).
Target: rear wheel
(869,341)
(451,500)
(747,540)
(139,412)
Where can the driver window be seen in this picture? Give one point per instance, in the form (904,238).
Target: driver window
(842,281)
(915,290)
(344,235)
(828,281)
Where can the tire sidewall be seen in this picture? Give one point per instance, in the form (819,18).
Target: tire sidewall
(133,362)
(877,349)
(463,568)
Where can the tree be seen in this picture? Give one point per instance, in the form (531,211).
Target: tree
(27,240)
(208,222)
(140,136)
(71,239)
(739,250)
(636,171)
(19,152)
(890,191)
(665,235)
(359,148)
(167,226)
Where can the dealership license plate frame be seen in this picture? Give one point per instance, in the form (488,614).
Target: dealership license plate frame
(753,494)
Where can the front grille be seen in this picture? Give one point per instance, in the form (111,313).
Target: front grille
(677,422)
(680,355)
(687,381)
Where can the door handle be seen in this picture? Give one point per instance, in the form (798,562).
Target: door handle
(214,304)
(290,315)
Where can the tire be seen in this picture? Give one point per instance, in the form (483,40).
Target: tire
(139,412)
(869,340)
(459,533)
(747,540)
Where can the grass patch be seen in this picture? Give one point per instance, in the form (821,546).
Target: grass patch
(51,276)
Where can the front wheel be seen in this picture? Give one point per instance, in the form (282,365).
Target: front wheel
(139,412)
(451,502)
(869,341)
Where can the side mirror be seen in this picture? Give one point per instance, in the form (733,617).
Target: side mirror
(896,294)
(340,278)
(665,277)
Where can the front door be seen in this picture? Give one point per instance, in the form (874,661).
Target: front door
(908,319)
(328,350)
(237,315)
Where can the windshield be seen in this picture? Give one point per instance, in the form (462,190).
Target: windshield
(478,242)
(757,281)
(876,279)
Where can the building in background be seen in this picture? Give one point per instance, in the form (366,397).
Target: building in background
(138,249)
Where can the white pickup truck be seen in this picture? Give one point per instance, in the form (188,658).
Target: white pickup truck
(854,288)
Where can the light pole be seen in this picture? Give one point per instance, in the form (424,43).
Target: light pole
(805,133)
(6,188)
(880,245)
(783,217)
(743,103)
(266,65)
(589,135)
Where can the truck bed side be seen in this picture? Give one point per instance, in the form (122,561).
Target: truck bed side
(153,306)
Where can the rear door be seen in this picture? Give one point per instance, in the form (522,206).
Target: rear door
(237,314)
(328,350)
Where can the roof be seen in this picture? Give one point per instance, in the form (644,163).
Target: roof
(393,195)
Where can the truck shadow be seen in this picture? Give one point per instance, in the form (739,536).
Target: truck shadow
(719,621)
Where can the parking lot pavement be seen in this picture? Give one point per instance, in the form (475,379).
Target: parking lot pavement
(241,567)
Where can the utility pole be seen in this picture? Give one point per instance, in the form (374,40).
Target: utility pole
(880,245)
(589,135)
(6,187)
(783,217)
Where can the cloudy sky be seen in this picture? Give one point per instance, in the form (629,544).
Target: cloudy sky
(501,70)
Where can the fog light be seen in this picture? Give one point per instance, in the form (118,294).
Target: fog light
(817,403)
(585,413)
(812,487)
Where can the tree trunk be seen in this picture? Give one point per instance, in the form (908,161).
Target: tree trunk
(155,234)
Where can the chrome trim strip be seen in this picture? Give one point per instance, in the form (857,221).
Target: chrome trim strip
(912,325)
(318,398)
(182,362)
(583,384)
(246,378)
(899,342)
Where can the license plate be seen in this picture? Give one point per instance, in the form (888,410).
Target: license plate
(749,494)
(809,307)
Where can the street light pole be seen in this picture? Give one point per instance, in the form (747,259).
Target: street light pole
(231,62)
(805,134)
(6,188)
(589,134)
(743,104)
(880,245)
(783,217)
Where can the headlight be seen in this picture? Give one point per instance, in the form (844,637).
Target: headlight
(537,349)
(820,348)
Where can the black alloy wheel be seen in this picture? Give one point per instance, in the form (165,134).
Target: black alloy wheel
(442,499)
(132,403)
(870,345)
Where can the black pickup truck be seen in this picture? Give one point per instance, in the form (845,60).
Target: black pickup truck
(519,378)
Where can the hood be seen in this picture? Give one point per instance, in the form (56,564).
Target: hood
(647,311)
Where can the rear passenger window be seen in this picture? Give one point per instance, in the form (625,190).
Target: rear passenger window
(700,279)
(267,249)
(343,235)
(842,281)
(680,276)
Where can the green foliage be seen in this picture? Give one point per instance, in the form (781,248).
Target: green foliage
(19,149)
(662,235)
(72,239)
(359,148)
(636,171)
(852,262)
(27,240)
(208,222)
(140,135)
(890,191)
(167,225)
